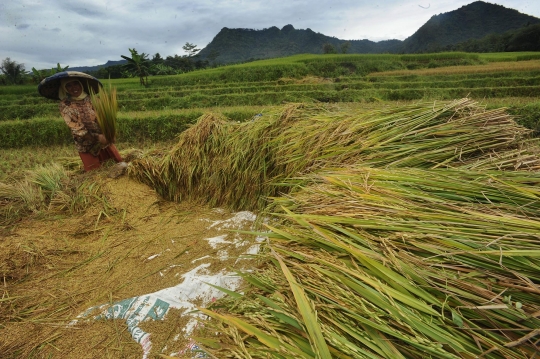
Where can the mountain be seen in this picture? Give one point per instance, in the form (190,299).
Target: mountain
(238,45)
(477,27)
(473,21)
(97,67)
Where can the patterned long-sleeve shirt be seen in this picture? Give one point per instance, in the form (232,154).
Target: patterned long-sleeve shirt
(82,121)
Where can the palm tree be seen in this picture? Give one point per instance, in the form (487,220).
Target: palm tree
(138,65)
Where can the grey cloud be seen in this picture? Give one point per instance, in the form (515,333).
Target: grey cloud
(85,11)
(83,33)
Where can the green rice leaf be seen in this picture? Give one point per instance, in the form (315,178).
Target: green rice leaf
(308,313)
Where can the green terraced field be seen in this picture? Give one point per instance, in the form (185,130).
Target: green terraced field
(170,103)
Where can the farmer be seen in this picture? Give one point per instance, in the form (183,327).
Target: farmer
(71,88)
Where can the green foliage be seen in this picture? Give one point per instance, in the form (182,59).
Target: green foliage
(191,49)
(444,58)
(173,101)
(38,132)
(153,127)
(13,71)
(24,112)
(528,57)
(466,25)
(528,116)
(526,38)
(139,65)
(157,59)
(345,47)
(329,49)
(161,69)
(17,92)
(38,75)
(212,56)
(111,72)
(183,64)
(159,128)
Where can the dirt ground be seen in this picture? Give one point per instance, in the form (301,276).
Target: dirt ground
(56,266)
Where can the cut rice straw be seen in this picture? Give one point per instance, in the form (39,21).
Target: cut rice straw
(401,263)
(409,232)
(242,165)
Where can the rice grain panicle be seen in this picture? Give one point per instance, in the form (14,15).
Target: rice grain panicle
(106,107)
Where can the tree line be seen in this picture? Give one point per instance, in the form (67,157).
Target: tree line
(137,65)
(141,65)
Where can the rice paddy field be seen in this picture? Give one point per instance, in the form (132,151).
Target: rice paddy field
(332,206)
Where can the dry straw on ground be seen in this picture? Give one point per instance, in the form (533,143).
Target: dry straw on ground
(55,264)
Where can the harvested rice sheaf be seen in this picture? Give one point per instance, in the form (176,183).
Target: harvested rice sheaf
(394,263)
(409,232)
(242,165)
(106,107)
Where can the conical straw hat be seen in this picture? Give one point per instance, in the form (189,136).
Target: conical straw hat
(49,86)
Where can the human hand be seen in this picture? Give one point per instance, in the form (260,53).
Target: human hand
(102,139)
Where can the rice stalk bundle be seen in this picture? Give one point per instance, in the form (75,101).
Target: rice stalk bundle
(394,263)
(450,134)
(106,107)
(215,160)
(241,165)
(196,155)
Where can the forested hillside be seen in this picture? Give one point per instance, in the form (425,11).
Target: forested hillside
(472,21)
(442,32)
(238,45)
(524,39)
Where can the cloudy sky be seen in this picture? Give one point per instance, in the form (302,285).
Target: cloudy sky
(41,33)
